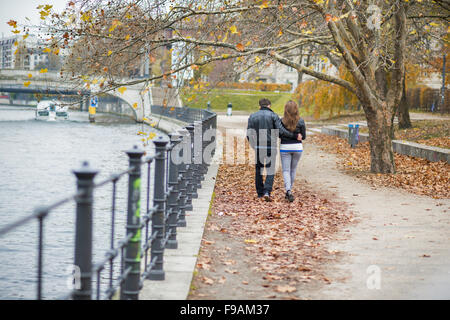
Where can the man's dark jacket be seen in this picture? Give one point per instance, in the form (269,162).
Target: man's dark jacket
(266,120)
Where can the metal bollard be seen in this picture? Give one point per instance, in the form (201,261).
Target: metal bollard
(204,168)
(189,171)
(198,153)
(182,170)
(192,188)
(129,289)
(83,234)
(350,133)
(173,207)
(159,198)
(213,121)
(353,135)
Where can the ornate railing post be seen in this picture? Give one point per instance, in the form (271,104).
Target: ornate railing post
(182,171)
(189,169)
(83,234)
(205,127)
(173,207)
(130,288)
(192,187)
(198,152)
(159,198)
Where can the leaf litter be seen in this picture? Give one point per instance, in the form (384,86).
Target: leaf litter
(285,243)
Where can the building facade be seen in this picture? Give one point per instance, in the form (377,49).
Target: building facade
(17,53)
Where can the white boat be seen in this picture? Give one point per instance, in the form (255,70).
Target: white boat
(51,110)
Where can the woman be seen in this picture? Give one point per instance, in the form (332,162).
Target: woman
(290,149)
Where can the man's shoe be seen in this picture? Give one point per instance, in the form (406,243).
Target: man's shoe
(289,196)
(267,197)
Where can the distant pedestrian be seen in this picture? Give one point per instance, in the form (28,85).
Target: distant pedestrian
(291,149)
(263,129)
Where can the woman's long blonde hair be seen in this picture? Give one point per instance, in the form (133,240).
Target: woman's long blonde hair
(291,115)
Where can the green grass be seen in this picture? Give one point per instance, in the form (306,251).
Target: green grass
(241,100)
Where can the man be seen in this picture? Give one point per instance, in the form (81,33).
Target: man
(262,133)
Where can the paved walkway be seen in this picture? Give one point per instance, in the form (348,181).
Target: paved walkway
(400,247)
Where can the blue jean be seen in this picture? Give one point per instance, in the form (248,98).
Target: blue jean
(265,159)
(289,162)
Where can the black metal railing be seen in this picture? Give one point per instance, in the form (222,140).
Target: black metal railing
(183,114)
(180,165)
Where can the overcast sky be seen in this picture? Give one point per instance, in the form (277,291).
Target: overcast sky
(19,9)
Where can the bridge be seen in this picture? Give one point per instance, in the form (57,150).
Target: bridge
(135,96)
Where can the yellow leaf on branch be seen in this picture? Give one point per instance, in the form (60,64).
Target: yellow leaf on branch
(233,29)
(122,90)
(265,4)
(86,16)
(240,47)
(12,23)
(27,83)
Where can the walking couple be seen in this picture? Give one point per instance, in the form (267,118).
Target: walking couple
(263,130)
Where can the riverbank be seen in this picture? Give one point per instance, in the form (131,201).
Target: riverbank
(37,159)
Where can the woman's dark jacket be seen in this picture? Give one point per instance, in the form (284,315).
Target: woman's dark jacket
(260,129)
(300,128)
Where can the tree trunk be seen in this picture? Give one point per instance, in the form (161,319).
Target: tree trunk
(380,141)
(404,121)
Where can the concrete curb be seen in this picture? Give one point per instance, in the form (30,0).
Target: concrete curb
(408,148)
(167,125)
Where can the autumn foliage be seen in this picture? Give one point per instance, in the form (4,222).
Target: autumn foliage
(424,97)
(325,98)
(414,175)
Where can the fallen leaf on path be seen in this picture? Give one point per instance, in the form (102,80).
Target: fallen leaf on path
(285,289)
(231,271)
(207,280)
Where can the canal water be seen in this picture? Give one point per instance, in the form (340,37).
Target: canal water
(36,162)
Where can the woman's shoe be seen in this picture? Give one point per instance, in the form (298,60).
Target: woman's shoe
(289,196)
